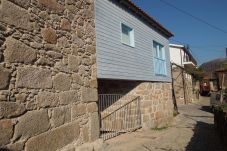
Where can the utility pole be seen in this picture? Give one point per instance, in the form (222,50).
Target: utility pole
(173,92)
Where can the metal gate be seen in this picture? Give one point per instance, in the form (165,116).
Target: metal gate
(118,114)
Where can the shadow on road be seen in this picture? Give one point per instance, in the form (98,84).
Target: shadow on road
(4,149)
(206,109)
(205,138)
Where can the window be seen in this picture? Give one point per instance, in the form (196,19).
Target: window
(127,35)
(159,59)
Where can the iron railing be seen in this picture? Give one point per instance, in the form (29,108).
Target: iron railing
(118,114)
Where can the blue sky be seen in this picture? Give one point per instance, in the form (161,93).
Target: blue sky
(205,42)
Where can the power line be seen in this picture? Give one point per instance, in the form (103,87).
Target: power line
(196,18)
(207,47)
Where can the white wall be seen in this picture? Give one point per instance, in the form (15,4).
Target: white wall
(175,55)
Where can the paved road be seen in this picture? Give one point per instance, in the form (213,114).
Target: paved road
(192,130)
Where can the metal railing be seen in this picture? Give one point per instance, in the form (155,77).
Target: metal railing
(118,114)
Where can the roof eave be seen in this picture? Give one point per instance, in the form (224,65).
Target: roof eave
(147,17)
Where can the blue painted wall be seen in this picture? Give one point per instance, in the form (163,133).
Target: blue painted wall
(118,61)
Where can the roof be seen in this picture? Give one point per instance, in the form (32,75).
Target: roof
(216,65)
(177,46)
(185,50)
(150,20)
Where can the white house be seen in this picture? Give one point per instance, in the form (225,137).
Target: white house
(181,56)
(181,60)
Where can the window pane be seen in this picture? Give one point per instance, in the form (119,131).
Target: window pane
(127,35)
(160,62)
(155,46)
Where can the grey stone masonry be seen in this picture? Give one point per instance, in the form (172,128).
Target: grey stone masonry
(48,82)
(156,99)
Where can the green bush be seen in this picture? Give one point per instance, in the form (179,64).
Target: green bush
(222,107)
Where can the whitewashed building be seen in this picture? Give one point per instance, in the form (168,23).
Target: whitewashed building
(182,60)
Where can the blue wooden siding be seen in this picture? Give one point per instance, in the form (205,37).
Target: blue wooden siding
(119,61)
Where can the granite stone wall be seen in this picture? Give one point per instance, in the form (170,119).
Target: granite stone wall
(183,89)
(48,83)
(156,99)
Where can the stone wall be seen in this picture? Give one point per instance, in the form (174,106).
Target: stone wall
(48,84)
(156,99)
(184,92)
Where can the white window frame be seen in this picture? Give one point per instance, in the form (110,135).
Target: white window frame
(160,61)
(131,36)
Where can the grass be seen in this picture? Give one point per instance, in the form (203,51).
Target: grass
(159,128)
(224,107)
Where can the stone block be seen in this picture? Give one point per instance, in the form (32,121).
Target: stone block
(78,110)
(89,95)
(54,139)
(77,79)
(80,32)
(63,43)
(49,35)
(65,24)
(31,77)
(47,99)
(18,146)
(73,63)
(31,124)
(14,15)
(21,98)
(51,5)
(6,131)
(85,134)
(3,97)
(62,82)
(92,107)
(68,97)
(45,62)
(158,115)
(60,116)
(22,3)
(18,52)
(4,78)
(94,83)
(11,109)
(54,55)
(94,126)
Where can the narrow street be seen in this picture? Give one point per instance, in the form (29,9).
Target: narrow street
(192,130)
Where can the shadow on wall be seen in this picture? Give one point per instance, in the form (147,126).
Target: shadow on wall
(205,138)
(119,88)
(116,86)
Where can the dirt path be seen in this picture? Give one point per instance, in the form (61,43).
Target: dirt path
(192,130)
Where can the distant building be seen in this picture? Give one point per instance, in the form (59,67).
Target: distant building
(181,60)
(211,66)
(210,69)
(181,56)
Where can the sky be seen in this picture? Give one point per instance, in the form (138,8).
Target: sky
(205,42)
